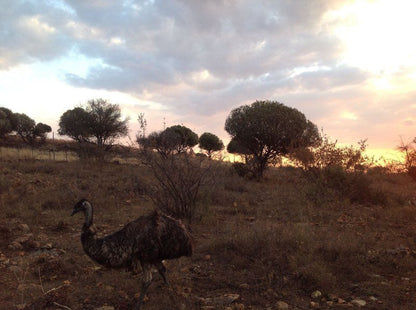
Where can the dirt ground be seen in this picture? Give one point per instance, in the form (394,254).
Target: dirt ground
(258,245)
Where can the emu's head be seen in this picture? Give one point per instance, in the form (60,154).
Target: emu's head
(82,205)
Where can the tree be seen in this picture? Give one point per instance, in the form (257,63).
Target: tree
(75,124)
(268,129)
(174,139)
(409,152)
(8,121)
(5,126)
(210,143)
(40,130)
(28,130)
(99,122)
(25,126)
(106,124)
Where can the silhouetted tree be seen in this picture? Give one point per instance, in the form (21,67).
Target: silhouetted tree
(28,130)
(210,143)
(267,129)
(76,124)
(174,139)
(99,122)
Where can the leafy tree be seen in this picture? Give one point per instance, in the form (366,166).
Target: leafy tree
(25,126)
(174,139)
(99,122)
(28,130)
(75,124)
(5,126)
(210,143)
(106,124)
(181,137)
(268,129)
(40,130)
(8,121)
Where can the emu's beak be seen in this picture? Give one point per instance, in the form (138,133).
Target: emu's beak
(74,212)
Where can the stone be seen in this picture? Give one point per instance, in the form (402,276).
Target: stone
(332,297)
(223,300)
(359,302)
(281,305)
(23,239)
(316,294)
(314,305)
(15,246)
(340,301)
(23,227)
(105,308)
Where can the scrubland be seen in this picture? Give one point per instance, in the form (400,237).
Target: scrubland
(259,244)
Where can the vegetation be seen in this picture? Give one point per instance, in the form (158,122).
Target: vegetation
(173,140)
(268,241)
(409,152)
(333,221)
(99,122)
(268,129)
(23,126)
(210,143)
(8,122)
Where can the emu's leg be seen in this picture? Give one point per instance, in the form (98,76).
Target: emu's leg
(146,281)
(162,271)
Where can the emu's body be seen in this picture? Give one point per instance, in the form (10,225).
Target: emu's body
(146,241)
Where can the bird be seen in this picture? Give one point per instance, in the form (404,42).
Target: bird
(146,241)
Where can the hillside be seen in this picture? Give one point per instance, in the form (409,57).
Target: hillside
(258,244)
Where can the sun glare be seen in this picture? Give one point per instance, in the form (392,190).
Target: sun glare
(378,35)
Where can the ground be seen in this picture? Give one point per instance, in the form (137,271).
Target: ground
(258,244)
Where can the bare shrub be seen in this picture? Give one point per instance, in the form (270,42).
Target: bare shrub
(177,182)
(328,154)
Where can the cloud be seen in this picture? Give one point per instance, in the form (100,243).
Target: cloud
(199,59)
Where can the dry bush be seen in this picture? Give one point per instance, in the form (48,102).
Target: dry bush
(178,179)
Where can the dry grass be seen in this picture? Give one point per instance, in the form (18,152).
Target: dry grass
(266,241)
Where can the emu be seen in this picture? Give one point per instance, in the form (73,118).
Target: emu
(146,241)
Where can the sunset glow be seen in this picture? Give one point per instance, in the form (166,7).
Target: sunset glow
(349,66)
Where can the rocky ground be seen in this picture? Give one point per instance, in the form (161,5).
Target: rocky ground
(259,245)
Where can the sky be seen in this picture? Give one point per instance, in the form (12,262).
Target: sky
(349,66)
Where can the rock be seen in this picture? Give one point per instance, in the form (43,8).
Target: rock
(316,294)
(359,302)
(207,257)
(48,246)
(314,305)
(23,227)
(281,305)
(15,246)
(340,301)
(244,286)
(332,297)
(105,308)
(23,239)
(224,300)
(33,244)
(238,307)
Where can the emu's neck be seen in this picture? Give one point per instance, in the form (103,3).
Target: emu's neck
(88,216)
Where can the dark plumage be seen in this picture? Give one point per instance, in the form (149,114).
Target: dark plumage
(146,241)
